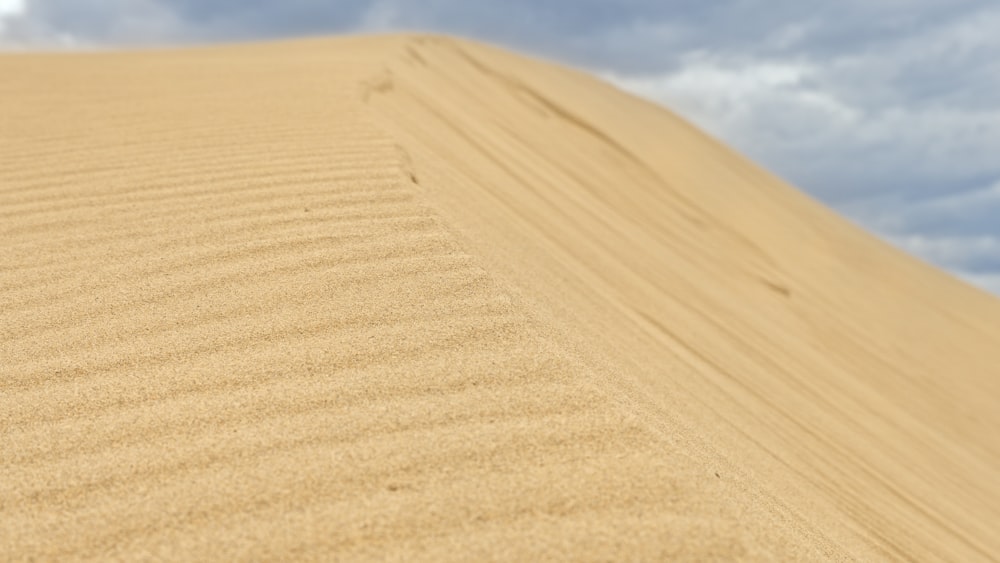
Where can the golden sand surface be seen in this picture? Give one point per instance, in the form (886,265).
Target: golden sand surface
(416,298)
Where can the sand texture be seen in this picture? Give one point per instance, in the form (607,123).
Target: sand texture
(416,298)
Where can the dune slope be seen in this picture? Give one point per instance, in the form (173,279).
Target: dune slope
(413,297)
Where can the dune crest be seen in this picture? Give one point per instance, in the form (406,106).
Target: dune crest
(413,297)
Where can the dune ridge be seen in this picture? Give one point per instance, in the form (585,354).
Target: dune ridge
(413,297)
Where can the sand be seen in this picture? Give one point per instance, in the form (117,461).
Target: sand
(417,298)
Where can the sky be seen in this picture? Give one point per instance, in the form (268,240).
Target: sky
(886,110)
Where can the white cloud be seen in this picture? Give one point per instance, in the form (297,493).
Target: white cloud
(745,101)
(988,282)
(955,251)
(11,7)
(901,138)
(808,123)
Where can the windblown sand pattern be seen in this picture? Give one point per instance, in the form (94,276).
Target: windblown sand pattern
(417,298)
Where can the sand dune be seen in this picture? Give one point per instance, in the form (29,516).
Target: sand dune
(417,298)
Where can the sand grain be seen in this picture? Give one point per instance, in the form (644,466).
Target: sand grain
(417,298)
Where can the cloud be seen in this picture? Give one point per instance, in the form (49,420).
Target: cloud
(988,282)
(896,131)
(977,254)
(54,23)
(9,9)
(885,110)
(853,124)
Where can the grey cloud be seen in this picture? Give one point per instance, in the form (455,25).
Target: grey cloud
(989,282)
(130,22)
(970,254)
(266,18)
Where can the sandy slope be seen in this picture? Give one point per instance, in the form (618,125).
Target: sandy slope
(408,297)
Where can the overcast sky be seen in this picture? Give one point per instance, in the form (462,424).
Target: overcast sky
(888,110)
